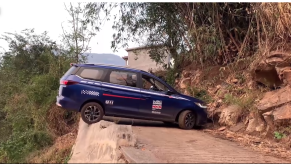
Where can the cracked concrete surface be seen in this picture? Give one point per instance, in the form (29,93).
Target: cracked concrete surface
(173,145)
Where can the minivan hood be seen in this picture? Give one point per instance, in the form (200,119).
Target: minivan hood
(191,98)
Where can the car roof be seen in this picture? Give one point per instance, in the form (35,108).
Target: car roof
(119,67)
(111,66)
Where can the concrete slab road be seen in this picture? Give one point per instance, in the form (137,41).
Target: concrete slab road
(173,145)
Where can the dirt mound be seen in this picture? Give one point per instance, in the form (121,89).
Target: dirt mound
(100,142)
(61,122)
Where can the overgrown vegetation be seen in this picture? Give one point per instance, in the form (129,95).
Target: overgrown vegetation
(201,94)
(246,102)
(204,33)
(30,71)
(29,81)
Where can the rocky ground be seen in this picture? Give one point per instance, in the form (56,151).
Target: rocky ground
(262,145)
(247,99)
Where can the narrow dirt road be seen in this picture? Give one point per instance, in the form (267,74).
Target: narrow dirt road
(173,145)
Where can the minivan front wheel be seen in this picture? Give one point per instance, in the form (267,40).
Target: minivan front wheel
(187,120)
(92,113)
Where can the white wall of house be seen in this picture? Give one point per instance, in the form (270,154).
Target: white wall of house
(139,58)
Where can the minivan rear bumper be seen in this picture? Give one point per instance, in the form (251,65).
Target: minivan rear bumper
(67,104)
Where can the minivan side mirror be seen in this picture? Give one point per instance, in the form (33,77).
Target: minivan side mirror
(169,92)
(154,88)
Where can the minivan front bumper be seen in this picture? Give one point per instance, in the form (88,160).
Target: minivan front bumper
(202,117)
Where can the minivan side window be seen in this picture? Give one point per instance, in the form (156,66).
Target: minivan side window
(150,83)
(92,73)
(123,78)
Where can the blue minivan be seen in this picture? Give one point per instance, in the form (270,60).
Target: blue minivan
(98,90)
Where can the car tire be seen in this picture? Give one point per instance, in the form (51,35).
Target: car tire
(187,120)
(92,112)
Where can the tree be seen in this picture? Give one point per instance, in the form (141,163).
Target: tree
(81,33)
(158,23)
(85,22)
(196,31)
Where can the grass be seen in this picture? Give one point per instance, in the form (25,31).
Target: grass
(20,145)
(58,156)
(200,94)
(246,101)
(52,154)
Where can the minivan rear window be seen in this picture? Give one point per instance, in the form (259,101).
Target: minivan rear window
(70,71)
(92,73)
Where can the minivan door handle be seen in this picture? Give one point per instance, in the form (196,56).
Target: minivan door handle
(106,90)
(146,96)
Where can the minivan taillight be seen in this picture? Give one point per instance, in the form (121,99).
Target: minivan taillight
(68,82)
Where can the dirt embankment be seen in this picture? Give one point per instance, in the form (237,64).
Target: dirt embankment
(250,96)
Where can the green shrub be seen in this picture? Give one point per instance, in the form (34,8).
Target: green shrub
(279,135)
(244,102)
(19,145)
(170,76)
(42,87)
(200,94)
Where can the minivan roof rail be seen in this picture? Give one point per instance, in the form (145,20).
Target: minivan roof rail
(112,65)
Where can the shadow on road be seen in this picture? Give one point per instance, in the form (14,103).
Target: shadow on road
(144,123)
(136,122)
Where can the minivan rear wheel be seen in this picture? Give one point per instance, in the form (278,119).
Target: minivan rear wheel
(92,112)
(187,120)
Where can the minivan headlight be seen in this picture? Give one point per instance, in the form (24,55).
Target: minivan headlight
(200,105)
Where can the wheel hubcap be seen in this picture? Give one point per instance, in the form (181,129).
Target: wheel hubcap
(190,120)
(92,113)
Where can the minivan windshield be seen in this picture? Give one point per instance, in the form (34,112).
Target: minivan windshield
(159,85)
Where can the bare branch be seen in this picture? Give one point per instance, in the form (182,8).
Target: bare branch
(65,34)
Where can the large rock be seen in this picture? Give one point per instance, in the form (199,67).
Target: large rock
(100,142)
(282,112)
(230,115)
(255,125)
(269,70)
(279,59)
(286,75)
(273,99)
(274,107)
